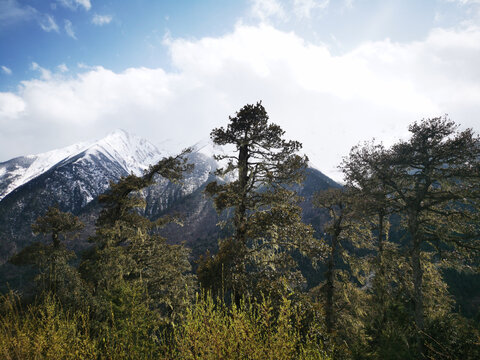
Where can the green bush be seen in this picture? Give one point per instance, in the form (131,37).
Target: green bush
(43,331)
(209,330)
(248,331)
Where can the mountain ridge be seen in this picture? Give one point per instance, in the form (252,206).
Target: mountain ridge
(117,145)
(76,181)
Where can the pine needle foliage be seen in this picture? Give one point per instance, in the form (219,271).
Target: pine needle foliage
(53,261)
(262,167)
(430,181)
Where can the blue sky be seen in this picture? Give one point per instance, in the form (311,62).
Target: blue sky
(113,34)
(332,73)
(122,34)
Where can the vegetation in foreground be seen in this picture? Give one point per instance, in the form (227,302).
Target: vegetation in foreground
(406,216)
(208,330)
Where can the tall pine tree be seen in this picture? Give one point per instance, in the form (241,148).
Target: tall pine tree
(129,252)
(266,215)
(53,260)
(431,180)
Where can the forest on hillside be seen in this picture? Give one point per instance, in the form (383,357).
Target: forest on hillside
(406,220)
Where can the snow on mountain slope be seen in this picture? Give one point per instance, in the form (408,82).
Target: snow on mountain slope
(73,177)
(132,153)
(18,171)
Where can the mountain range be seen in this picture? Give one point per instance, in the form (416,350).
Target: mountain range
(74,177)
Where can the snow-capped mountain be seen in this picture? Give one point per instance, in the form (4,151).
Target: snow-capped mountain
(18,171)
(133,154)
(74,177)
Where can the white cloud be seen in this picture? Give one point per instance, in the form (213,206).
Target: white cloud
(348,4)
(269,10)
(304,8)
(465,2)
(47,23)
(11,11)
(74,4)
(84,66)
(69,29)
(44,73)
(6,70)
(62,68)
(101,19)
(471,10)
(266,9)
(85,3)
(327,102)
(11,106)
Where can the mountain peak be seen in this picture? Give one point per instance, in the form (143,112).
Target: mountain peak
(130,152)
(118,133)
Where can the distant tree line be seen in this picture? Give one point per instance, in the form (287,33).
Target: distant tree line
(406,215)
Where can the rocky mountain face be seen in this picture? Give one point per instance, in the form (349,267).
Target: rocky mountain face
(75,176)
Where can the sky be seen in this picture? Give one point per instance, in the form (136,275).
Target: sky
(331,73)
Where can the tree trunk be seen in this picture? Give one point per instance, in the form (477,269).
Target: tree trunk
(330,275)
(55,240)
(417,284)
(240,216)
(381,266)
(380,275)
(240,222)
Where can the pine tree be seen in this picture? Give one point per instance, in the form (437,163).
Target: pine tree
(266,215)
(130,253)
(344,234)
(57,223)
(372,201)
(56,274)
(431,181)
